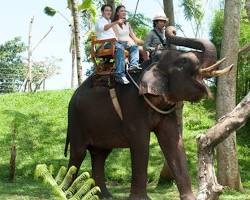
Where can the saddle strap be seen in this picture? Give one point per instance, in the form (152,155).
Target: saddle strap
(115,102)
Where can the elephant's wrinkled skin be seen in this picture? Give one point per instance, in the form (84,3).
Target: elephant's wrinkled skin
(93,123)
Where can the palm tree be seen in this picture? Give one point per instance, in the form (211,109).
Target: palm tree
(77,38)
(86,6)
(51,12)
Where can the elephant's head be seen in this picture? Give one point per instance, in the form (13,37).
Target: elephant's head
(179,75)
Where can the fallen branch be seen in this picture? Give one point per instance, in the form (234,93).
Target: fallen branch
(209,189)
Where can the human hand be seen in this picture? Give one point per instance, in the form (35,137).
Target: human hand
(82,188)
(121,21)
(157,47)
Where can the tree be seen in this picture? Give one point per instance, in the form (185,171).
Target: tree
(31,49)
(139,23)
(193,12)
(43,70)
(77,39)
(248,9)
(11,65)
(51,12)
(169,11)
(243,69)
(228,170)
(88,14)
(166,174)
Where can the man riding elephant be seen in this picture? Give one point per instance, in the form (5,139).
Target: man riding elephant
(156,39)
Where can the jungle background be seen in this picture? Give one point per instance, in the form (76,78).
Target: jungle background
(35,120)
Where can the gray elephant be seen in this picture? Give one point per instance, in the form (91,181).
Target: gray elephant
(94,125)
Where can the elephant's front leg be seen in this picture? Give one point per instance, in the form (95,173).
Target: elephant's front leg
(139,150)
(171,144)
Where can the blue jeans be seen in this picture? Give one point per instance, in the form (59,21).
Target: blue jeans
(120,57)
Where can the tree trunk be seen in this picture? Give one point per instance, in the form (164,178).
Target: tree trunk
(169,11)
(247,6)
(44,85)
(29,79)
(12,167)
(77,40)
(166,175)
(228,170)
(73,54)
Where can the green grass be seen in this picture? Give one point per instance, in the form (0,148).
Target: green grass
(41,121)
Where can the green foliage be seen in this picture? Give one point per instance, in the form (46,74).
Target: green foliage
(88,10)
(11,65)
(216,30)
(140,24)
(243,73)
(49,11)
(85,4)
(193,9)
(41,139)
(195,118)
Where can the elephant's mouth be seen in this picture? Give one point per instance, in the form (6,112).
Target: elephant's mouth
(199,82)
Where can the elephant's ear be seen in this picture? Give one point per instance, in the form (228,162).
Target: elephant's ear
(153,81)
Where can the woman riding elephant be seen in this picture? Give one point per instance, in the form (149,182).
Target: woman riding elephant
(126,40)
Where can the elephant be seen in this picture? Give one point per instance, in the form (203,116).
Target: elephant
(94,125)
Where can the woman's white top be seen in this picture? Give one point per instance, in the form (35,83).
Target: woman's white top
(123,33)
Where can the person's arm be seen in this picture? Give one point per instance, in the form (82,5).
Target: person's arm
(108,26)
(148,43)
(133,36)
(115,30)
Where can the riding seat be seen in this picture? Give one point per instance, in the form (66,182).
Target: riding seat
(103,58)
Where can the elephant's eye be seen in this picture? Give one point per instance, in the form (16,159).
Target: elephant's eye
(184,61)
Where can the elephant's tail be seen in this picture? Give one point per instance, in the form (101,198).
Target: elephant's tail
(66,144)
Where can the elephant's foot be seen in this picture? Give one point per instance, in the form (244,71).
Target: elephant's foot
(139,197)
(188,197)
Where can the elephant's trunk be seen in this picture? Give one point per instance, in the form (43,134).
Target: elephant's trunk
(209,56)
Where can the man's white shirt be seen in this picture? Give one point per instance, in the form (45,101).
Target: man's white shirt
(101,34)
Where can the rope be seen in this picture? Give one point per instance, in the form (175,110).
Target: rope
(149,102)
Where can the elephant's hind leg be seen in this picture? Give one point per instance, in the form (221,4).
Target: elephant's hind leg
(98,157)
(77,154)
(78,145)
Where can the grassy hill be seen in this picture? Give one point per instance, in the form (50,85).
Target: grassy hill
(40,121)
